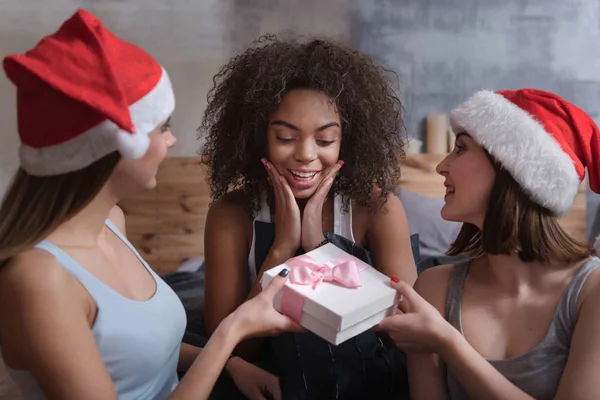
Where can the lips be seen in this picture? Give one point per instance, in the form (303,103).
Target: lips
(303,175)
(449,189)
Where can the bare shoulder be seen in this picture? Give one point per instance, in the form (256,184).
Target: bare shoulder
(33,271)
(432,285)
(231,206)
(117,217)
(29,286)
(35,276)
(228,223)
(590,291)
(380,205)
(387,235)
(380,209)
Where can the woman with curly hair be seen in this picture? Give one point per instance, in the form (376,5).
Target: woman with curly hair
(303,143)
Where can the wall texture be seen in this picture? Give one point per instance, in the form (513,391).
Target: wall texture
(442,50)
(191,38)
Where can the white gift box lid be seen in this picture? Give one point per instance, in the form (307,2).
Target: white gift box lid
(337,306)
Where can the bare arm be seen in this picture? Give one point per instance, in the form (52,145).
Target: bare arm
(421,327)
(226,256)
(580,378)
(187,355)
(389,241)
(202,375)
(252,318)
(426,372)
(226,251)
(45,330)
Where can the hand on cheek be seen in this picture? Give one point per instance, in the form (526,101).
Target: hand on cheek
(312,218)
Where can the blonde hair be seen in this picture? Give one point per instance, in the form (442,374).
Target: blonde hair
(34,206)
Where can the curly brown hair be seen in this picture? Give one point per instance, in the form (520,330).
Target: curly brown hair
(252,84)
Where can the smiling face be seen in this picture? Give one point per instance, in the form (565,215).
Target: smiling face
(470,178)
(133,176)
(303,139)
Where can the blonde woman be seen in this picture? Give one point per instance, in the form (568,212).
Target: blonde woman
(82,315)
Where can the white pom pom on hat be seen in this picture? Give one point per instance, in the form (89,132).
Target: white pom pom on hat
(83,93)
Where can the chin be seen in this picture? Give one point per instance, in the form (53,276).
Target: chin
(151,184)
(303,194)
(136,187)
(448,215)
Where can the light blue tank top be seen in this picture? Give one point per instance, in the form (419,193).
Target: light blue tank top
(139,341)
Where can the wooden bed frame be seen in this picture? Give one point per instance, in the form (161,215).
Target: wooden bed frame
(166,225)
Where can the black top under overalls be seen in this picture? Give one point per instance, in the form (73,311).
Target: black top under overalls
(311,368)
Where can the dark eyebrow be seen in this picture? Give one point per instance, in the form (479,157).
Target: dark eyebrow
(286,124)
(290,126)
(329,125)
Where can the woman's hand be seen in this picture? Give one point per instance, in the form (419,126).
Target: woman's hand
(258,317)
(418,325)
(287,214)
(255,383)
(312,218)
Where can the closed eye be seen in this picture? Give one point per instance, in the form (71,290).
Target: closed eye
(285,140)
(326,142)
(166,126)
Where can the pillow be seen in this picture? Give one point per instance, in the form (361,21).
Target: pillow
(424,218)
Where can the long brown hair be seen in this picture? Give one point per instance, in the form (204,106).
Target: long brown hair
(34,206)
(515,224)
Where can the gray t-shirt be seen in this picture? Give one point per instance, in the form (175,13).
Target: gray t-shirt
(538,371)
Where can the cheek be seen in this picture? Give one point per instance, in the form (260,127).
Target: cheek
(330,155)
(146,167)
(278,152)
(156,153)
(475,187)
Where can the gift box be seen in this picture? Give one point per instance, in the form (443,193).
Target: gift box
(333,294)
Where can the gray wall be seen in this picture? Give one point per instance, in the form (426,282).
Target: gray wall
(191,38)
(443,50)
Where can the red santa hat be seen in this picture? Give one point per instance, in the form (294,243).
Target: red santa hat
(83,93)
(544,142)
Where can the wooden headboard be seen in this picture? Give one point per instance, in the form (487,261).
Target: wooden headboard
(166,224)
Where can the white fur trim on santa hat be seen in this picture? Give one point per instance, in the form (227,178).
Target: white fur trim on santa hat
(90,146)
(521,144)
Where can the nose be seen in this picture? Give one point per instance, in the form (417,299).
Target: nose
(442,167)
(305,151)
(171,140)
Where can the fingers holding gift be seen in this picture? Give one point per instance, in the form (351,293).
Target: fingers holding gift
(259,317)
(418,325)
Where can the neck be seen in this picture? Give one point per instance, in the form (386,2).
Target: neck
(301,204)
(87,227)
(515,275)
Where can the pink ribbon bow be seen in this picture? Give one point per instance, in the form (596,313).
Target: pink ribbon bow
(344,271)
(307,273)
